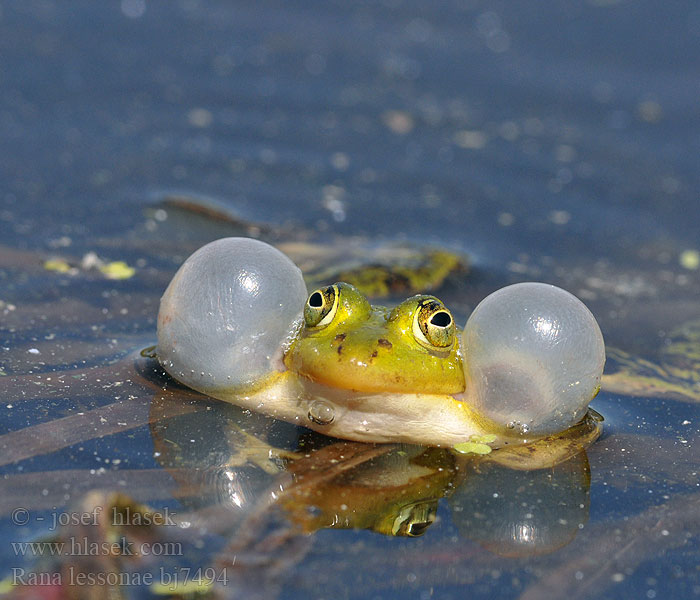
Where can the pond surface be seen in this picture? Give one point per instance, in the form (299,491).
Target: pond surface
(557,143)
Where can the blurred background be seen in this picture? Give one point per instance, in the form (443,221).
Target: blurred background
(498,128)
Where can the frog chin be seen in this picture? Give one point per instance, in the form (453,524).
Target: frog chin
(428,419)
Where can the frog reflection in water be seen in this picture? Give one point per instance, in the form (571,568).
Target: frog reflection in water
(255,466)
(229,326)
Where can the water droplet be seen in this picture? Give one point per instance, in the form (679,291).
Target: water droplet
(321,413)
(524,428)
(511,425)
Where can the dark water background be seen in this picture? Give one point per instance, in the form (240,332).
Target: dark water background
(554,140)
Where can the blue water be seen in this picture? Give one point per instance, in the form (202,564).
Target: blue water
(557,141)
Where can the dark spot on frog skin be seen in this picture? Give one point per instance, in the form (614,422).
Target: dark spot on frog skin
(374,354)
(340,349)
(385,343)
(339,338)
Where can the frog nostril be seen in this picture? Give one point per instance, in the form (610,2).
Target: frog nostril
(441,319)
(316,300)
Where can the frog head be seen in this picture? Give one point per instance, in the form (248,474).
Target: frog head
(346,343)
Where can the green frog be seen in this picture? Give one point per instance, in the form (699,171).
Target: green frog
(236,323)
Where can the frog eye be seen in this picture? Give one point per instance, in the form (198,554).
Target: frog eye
(433,325)
(321,306)
(413,521)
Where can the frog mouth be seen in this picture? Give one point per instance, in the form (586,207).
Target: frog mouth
(414,418)
(431,419)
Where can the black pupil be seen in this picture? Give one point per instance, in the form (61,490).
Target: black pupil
(416,529)
(316,300)
(441,319)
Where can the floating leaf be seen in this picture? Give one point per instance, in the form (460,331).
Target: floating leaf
(117,270)
(477,444)
(57,264)
(472,448)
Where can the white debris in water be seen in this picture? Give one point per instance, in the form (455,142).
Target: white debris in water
(7,307)
(398,121)
(559,217)
(91,261)
(340,161)
(471,139)
(200,117)
(333,201)
(505,219)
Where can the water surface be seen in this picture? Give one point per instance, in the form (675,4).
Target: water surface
(556,142)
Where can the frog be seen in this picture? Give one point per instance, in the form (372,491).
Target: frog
(236,323)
